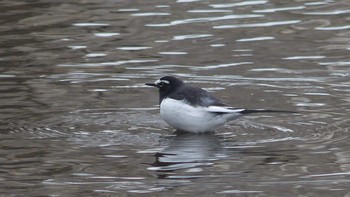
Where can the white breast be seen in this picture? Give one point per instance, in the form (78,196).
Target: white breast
(183,116)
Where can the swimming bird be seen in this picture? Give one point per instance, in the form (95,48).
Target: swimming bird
(193,109)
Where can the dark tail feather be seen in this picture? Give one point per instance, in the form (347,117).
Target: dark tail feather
(250,111)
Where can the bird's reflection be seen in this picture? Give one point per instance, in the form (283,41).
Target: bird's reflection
(186,150)
(187,157)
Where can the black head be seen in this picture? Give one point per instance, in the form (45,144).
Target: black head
(167,85)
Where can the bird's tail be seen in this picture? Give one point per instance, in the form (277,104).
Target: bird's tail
(251,111)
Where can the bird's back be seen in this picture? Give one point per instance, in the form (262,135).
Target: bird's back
(196,96)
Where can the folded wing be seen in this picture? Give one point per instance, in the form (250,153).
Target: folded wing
(224,110)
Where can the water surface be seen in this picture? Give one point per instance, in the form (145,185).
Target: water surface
(76,119)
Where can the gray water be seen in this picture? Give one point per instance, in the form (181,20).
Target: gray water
(76,119)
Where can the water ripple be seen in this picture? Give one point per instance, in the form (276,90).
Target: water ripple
(128,10)
(117,63)
(266,24)
(317,3)
(256,39)
(239,192)
(133,48)
(339,63)
(192,36)
(304,57)
(209,11)
(333,12)
(186,1)
(163,66)
(173,53)
(220,66)
(77,47)
(90,24)
(95,55)
(204,20)
(272,10)
(77,119)
(151,14)
(326,175)
(106,34)
(344,27)
(243,3)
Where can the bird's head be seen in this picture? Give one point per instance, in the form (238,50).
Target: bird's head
(167,85)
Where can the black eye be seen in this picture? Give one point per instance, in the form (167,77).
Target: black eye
(161,84)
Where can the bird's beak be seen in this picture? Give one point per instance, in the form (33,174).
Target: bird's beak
(151,84)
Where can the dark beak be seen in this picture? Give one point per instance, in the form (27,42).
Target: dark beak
(151,84)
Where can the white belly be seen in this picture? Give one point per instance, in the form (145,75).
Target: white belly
(185,117)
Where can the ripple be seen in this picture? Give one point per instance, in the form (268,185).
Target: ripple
(326,175)
(162,6)
(333,12)
(204,20)
(173,53)
(279,9)
(76,77)
(115,138)
(161,41)
(90,24)
(37,132)
(274,140)
(239,192)
(314,79)
(173,167)
(243,3)
(106,34)
(317,94)
(64,84)
(95,55)
(344,27)
(256,39)
(99,90)
(243,50)
(117,63)
(116,156)
(128,10)
(279,70)
(220,66)
(303,57)
(339,63)
(267,24)
(135,48)
(6,76)
(218,45)
(317,3)
(151,14)
(209,11)
(192,36)
(310,104)
(77,47)
(186,1)
(311,24)
(163,66)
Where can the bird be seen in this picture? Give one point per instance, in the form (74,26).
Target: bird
(192,109)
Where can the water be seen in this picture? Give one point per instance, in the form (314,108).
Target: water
(76,119)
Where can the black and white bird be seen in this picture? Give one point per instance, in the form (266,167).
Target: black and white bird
(192,109)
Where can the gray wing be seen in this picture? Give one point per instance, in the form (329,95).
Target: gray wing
(196,96)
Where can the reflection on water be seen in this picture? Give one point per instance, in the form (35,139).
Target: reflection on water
(76,119)
(188,151)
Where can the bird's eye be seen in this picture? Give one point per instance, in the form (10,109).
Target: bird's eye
(161,83)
